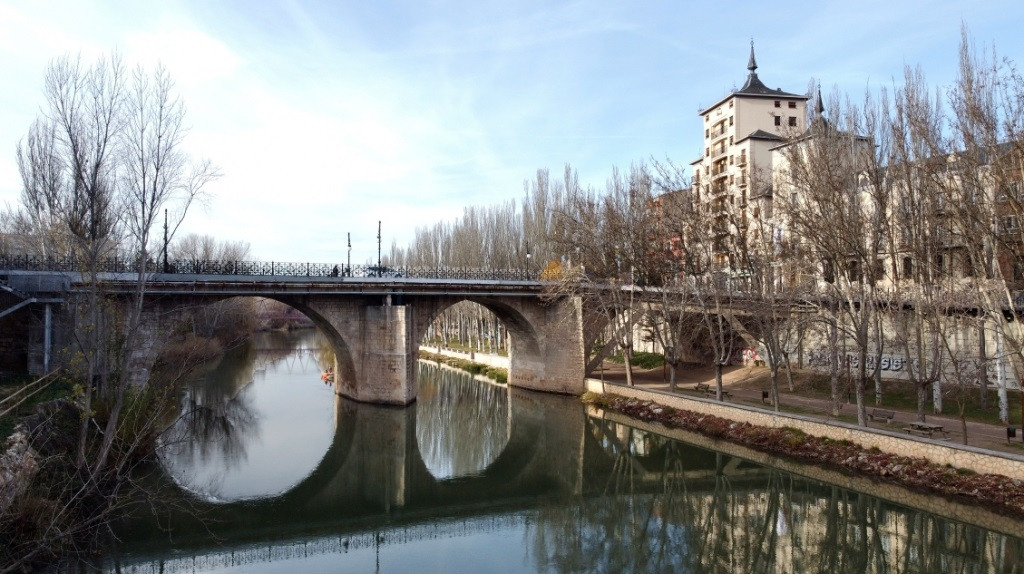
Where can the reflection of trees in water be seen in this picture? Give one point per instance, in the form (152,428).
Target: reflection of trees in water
(324,351)
(669,507)
(462,424)
(217,419)
(208,430)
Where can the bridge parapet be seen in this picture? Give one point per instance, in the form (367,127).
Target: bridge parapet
(256,268)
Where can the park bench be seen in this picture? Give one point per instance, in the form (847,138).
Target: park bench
(702,387)
(879,414)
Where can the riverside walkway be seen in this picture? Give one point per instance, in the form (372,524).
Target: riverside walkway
(746,383)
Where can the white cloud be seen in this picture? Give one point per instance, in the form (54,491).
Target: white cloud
(327,117)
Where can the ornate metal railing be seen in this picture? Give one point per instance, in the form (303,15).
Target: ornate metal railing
(261,268)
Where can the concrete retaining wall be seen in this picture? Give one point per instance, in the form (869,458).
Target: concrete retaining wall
(939,452)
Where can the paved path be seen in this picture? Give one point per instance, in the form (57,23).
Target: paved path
(746,383)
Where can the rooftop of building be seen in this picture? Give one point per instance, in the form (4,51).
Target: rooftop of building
(754,87)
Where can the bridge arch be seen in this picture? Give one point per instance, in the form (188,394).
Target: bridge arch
(344,362)
(546,350)
(523,333)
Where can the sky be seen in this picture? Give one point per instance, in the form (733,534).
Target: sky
(325,117)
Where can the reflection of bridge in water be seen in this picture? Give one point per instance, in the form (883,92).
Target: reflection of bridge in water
(624,497)
(374,476)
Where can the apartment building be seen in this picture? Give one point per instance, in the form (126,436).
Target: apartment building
(733,173)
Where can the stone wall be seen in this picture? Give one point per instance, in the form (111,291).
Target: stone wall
(939,452)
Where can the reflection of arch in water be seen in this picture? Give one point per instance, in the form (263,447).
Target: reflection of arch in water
(375,463)
(461,424)
(373,471)
(210,445)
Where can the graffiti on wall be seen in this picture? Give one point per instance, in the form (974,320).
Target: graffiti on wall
(892,363)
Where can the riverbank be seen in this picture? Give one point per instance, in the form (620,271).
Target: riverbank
(996,492)
(497,374)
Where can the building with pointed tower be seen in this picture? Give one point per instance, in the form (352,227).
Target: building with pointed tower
(733,174)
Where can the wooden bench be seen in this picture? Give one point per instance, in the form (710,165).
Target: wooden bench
(879,414)
(702,387)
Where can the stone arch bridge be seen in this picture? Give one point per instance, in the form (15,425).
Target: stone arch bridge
(374,320)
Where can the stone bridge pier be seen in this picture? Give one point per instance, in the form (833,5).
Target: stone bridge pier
(376,341)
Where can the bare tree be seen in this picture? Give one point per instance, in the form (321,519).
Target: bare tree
(98,166)
(836,205)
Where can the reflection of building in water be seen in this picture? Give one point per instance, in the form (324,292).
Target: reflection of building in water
(679,508)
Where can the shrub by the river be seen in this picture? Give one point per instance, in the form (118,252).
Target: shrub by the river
(641,359)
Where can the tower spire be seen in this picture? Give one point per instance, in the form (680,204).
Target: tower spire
(752,64)
(820,108)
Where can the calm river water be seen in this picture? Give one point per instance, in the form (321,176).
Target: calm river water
(269,471)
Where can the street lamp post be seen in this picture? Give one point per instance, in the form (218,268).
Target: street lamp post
(527,262)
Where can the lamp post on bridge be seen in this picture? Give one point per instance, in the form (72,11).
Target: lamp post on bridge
(527,262)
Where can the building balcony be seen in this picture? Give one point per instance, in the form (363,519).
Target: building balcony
(715,134)
(742,160)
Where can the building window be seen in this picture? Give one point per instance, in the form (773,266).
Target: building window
(1011,191)
(778,120)
(707,151)
(707,118)
(1010,223)
(908,267)
(828,271)
(730,103)
(792,121)
(707,133)
(792,105)
(730,140)
(853,271)
(730,120)
(730,160)
(778,104)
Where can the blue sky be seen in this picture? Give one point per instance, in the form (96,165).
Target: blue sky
(327,116)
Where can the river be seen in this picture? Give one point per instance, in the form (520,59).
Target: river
(267,470)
